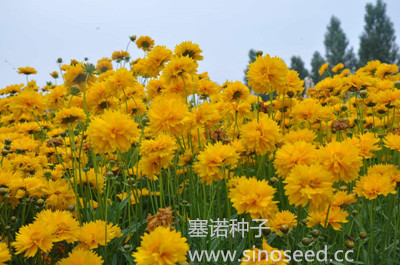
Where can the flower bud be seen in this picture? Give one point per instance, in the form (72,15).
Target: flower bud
(306,241)
(363,235)
(349,243)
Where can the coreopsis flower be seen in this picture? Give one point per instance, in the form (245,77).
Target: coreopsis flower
(30,238)
(290,155)
(79,256)
(255,197)
(309,184)
(93,234)
(392,141)
(112,131)
(323,68)
(55,99)
(104,64)
(177,68)
(119,81)
(309,110)
(95,180)
(154,88)
(204,115)
(66,227)
(75,76)
(212,159)
(373,185)
(282,220)
(383,70)
(166,114)
(119,55)
(386,170)
(4,253)
(305,135)
(156,154)
(145,43)
(265,256)
(28,102)
(342,198)
(59,194)
(162,246)
(155,61)
(266,74)
(342,160)
(294,86)
(188,48)
(207,88)
(71,116)
(27,70)
(337,67)
(366,143)
(235,92)
(260,136)
(336,216)
(164,217)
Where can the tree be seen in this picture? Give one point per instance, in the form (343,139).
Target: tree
(378,41)
(252,58)
(297,64)
(336,46)
(316,62)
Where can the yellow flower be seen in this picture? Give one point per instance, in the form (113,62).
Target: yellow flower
(27,70)
(71,116)
(392,141)
(119,55)
(323,68)
(162,246)
(59,194)
(282,220)
(188,48)
(76,76)
(104,64)
(235,92)
(80,256)
(166,114)
(253,196)
(309,185)
(336,216)
(93,234)
(290,155)
(4,253)
(260,136)
(367,143)
(342,160)
(145,43)
(156,154)
(386,170)
(266,74)
(30,238)
(268,256)
(342,197)
(305,135)
(212,160)
(67,228)
(112,131)
(337,67)
(95,180)
(28,101)
(178,68)
(373,185)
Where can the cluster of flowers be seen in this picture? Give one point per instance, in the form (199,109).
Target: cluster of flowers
(146,131)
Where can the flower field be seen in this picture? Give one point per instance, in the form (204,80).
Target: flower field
(140,160)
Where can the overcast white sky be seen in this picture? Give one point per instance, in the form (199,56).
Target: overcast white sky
(36,33)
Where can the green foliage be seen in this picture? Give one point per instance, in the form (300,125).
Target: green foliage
(378,41)
(297,64)
(336,46)
(316,62)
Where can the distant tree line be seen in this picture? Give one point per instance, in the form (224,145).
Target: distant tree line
(377,42)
